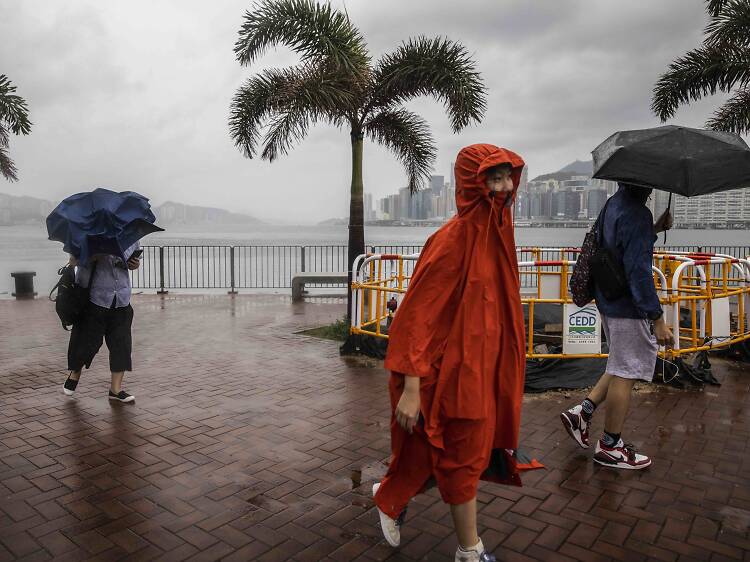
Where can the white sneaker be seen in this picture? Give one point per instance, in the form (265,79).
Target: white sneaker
(390,527)
(476,554)
(621,455)
(576,426)
(69,388)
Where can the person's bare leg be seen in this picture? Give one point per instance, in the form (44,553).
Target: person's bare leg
(117,382)
(598,394)
(618,403)
(74,375)
(465,523)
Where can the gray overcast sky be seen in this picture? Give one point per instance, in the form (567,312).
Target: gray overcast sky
(135,95)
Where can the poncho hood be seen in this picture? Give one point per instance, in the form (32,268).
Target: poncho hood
(471,168)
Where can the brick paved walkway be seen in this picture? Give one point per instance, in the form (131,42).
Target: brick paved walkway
(248,442)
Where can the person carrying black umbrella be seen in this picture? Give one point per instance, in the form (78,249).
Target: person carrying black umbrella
(108,316)
(633,325)
(681,160)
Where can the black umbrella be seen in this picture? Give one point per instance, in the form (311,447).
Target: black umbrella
(675,159)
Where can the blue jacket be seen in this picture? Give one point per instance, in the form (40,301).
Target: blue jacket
(629,234)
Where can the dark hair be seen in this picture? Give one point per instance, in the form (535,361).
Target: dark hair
(636,191)
(504,166)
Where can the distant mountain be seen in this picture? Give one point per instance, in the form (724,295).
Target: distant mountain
(178,213)
(577,168)
(23,209)
(28,210)
(334,222)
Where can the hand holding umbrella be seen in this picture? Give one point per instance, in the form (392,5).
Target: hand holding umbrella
(664,222)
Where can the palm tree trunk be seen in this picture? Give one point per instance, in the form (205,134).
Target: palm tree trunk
(356,211)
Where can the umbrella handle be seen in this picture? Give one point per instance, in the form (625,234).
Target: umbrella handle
(669,206)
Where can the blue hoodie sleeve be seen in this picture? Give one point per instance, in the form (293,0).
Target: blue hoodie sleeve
(637,243)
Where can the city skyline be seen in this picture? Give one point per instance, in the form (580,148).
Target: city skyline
(136,95)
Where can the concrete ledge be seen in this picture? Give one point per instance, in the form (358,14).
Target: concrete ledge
(299,280)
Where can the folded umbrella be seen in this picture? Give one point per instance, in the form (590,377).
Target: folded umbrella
(101,222)
(676,159)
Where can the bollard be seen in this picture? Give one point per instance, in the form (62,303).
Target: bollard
(24,284)
(233,291)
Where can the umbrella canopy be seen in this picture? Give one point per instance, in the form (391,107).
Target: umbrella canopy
(675,159)
(101,222)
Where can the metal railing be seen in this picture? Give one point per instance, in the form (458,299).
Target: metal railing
(272,267)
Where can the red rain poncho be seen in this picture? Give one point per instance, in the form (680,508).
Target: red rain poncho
(460,328)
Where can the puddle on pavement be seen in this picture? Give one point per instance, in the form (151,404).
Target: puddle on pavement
(736,519)
(356,479)
(361,480)
(368,473)
(362,361)
(690,428)
(259,501)
(347,535)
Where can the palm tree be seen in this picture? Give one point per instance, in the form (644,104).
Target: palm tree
(14,118)
(336,83)
(721,63)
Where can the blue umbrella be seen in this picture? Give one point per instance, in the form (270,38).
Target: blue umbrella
(101,222)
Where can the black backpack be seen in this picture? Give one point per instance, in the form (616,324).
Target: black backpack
(71,298)
(597,266)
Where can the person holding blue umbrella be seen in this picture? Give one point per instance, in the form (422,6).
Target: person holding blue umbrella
(101,232)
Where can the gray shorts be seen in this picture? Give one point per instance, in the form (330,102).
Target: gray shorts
(632,348)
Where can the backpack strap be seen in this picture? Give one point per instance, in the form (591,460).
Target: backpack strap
(60,272)
(599,224)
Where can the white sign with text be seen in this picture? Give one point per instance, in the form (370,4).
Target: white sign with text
(582,329)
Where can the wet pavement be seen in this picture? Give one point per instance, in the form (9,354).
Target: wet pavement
(249,441)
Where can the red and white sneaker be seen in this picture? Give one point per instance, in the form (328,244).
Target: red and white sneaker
(576,426)
(621,455)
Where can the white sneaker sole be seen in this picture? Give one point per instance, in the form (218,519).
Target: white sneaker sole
(573,433)
(126,401)
(68,392)
(384,520)
(624,466)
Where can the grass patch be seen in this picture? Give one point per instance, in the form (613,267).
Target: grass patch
(338,331)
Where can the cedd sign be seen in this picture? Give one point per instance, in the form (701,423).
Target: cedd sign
(581,329)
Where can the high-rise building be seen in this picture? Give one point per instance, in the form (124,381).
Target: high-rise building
(450,202)
(394,206)
(384,208)
(368,213)
(725,209)
(437,184)
(595,200)
(572,205)
(404,198)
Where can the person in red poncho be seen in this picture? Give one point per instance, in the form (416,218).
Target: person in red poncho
(456,355)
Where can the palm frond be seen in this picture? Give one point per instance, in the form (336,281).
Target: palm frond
(408,136)
(7,168)
(714,7)
(291,99)
(315,31)
(731,25)
(13,109)
(435,67)
(700,72)
(4,137)
(251,105)
(734,115)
